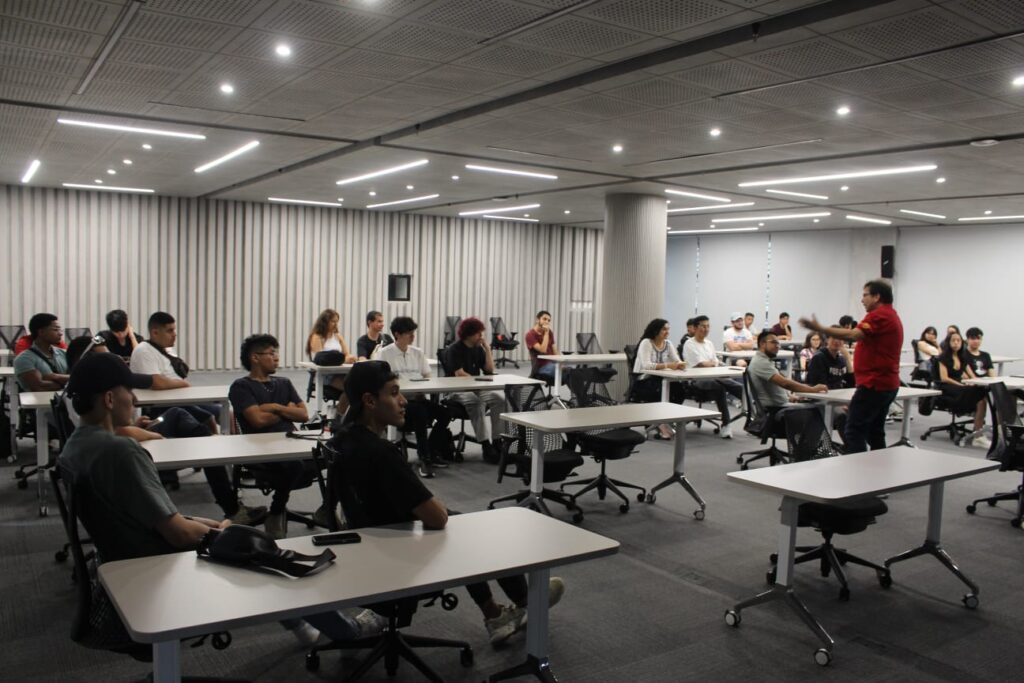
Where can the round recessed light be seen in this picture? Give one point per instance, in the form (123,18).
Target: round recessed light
(940,180)
(989,212)
(715,132)
(455,177)
(843,110)
(984,142)
(126,162)
(844,188)
(341,199)
(668,201)
(283,50)
(410,187)
(817,220)
(227,88)
(760,225)
(616,148)
(98,181)
(147,146)
(567,212)
(111,171)
(526,215)
(1018,81)
(372,193)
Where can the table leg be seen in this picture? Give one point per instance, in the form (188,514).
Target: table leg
(167,662)
(536,663)
(678,475)
(908,404)
(225,416)
(319,380)
(665,389)
(933,545)
(536,498)
(42,457)
(830,410)
(556,390)
(999,369)
(15,413)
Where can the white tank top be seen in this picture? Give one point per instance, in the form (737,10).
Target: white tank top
(332,344)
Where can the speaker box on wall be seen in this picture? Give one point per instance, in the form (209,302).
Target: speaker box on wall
(888,260)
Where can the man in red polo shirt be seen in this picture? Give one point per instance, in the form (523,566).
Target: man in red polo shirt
(876,365)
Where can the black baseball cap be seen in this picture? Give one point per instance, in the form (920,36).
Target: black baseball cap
(367,377)
(99,372)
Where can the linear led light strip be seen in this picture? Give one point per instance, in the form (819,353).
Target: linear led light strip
(798,194)
(698,196)
(837,176)
(990,218)
(32,168)
(922,213)
(480,212)
(512,218)
(711,206)
(509,171)
(109,188)
(706,231)
(309,202)
(132,129)
(865,219)
(745,219)
(403,201)
(384,171)
(230,155)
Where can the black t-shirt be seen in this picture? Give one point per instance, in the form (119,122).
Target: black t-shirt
(955,374)
(981,363)
(365,346)
(824,368)
(246,392)
(116,347)
(462,357)
(372,480)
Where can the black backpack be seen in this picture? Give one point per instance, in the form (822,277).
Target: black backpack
(442,443)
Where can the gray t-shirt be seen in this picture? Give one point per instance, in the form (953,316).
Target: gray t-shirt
(33,359)
(121,497)
(761,370)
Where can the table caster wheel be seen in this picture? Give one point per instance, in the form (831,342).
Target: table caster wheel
(651,498)
(991,503)
(466,657)
(1015,522)
(970,509)
(773,558)
(490,506)
(885,580)
(640,497)
(12,458)
(312,661)
(699,515)
(744,467)
(22,483)
(624,508)
(844,594)
(578,517)
(770,577)
(970,601)
(732,618)
(449,601)
(60,556)
(822,657)
(739,460)
(43,511)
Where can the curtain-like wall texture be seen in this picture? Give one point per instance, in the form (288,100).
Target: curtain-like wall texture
(226,269)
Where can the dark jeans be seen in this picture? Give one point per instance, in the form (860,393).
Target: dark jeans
(283,478)
(865,421)
(419,415)
(716,390)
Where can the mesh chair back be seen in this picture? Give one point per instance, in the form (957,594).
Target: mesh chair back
(76,332)
(451,327)
(630,351)
(1009,446)
(806,435)
(9,334)
(586,342)
(758,419)
(499,328)
(589,387)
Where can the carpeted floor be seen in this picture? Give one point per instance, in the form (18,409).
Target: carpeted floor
(651,613)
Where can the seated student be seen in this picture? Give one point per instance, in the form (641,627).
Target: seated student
(699,352)
(833,367)
(950,329)
(748,324)
(372,470)
(43,365)
(410,363)
(654,352)
(264,403)
(120,337)
(25,341)
(470,356)
(174,423)
(954,367)
(325,337)
(848,322)
(782,329)
(691,329)
(540,341)
(980,361)
(928,347)
(127,511)
(374,337)
(736,337)
(770,386)
(812,344)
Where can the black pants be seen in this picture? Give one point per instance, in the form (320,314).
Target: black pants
(180,423)
(283,478)
(716,390)
(419,416)
(865,421)
(515,587)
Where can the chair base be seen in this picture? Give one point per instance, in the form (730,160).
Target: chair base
(392,646)
(832,560)
(538,668)
(527,497)
(955,430)
(774,455)
(502,361)
(991,501)
(603,483)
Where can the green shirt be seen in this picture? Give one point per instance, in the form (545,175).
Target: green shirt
(761,370)
(120,497)
(30,360)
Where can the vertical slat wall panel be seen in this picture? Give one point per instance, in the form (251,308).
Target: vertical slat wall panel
(226,269)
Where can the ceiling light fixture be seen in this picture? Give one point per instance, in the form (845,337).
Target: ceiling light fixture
(991,218)
(709,197)
(798,194)
(283,50)
(509,171)
(817,220)
(940,180)
(455,177)
(501,209)
(837,176)
(778,217)
(1018,81)
(146,146)
(372,193)
(843,110)
(383,171)
(227,157)
(31,171)
(567,212)
(403,201)
(310,202)
(227,88)
(616,148)
(409,187)
(108,187)
(989,212)
(131,129)
(752,228)
(715,132)
(922,213)
(512,218)
(984,142)
(711,207)
(865,219)
(126,162)
(844,188)
(111,171)
(98,181)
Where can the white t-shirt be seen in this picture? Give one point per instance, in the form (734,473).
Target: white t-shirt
(408,365)
(731,334)
(147,360)
(695,352)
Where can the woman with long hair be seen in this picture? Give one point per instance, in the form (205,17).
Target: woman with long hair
(654,352)
(812,342)
(325,337)
(953,370)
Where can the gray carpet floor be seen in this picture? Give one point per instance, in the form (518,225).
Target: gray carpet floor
(653,612)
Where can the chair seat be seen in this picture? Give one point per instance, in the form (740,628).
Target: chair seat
(842,518)
(613,444)
(558,464)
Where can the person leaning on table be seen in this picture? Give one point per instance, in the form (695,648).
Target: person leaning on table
(655,352)
(771,387)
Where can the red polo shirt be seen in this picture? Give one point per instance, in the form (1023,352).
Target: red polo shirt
(876,360)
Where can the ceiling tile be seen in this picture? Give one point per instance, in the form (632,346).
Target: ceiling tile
(419,42)
(321,22)
(239,12)
(658,16)
(658,92)
(911,33)
(810,57)
(578,37)
(489,18)
(82,15)
(512,59)
(377,64)
(48,38)
(260,45)
(166,29)
(729,75)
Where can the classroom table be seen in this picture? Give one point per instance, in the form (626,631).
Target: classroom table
(1001,361)
(846,478)
(690,374)
(5,356)
(38,401)
(577,359)
(231,449)
(448,385)
(906,396)
(611,417)
(1010,382)
(320,372)
(165,598)
(748,354)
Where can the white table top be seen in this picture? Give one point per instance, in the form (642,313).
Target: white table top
(856,475)
(233,449)
(5,352)
(582,358)
(35,399)
(1004,359)
(846,395)
(6,371)
(1011,382)
(749,353)
(608,417)
(720,372)
(339,369)
(184,396)
(445,385)
(175,596)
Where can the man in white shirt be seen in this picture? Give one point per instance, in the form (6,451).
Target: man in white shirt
(699,352)
(748,322)
(410,364)
(737,337)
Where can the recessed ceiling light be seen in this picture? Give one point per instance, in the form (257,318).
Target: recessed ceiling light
(372,193)
(865,219)
(500,209)
(709,197)
(146,146)
(227,157)
(715,132)
(310,202)
(1018,81)
(817,220)
(109,187)
(111,171)
(778,217)
(837,176)
(526,215)
(567,212)
(940,180)
(798,194)
(512,218)
(989,212)
(341,199)
(227,88)
(283,50)
(131,129)
(984,142)
(761,225)
(126,162)
(711,207)
(616,148)
(383,171)
(31,171)
(990,218)
(843,110)
(455,177)
(410,187)
(844,188)
(752,228)
(98,181)
(668,201)
(403,201)
(509,171)
(922,213)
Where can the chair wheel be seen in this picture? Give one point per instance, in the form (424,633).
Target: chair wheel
(624,508)
(449,601)
(699,515)
(991,503)
(490,506)
(651,498)
(640,497)
(885,580)
(844,594)
(732,618)
(578,517)
(970,601)
(773,558)
(739,460)
(744,466)
(1015,522)
(924,437)
(312,661)
(60,556)
(770,577)
(822,657)
(970,509)
(43,511)
(466,657)
(22,483)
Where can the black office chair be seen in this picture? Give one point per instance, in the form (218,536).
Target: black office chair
(9,335)
(62,419)
(763,423)
(391,645)
(586,342)
(632,392)
(76,332)
(324,358)
(921,375)
(450,329)
(1007,448)
(808,439)
(960,408)
(504,342)
(455,409)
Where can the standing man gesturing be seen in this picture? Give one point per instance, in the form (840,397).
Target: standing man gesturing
(876,365)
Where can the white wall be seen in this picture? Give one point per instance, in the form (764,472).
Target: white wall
(227,269)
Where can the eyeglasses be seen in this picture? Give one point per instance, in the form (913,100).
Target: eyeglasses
(275,354)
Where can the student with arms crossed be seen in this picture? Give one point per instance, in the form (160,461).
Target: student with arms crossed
(699,352)
(43,365)
(737,337)
(470,356)
(374,338)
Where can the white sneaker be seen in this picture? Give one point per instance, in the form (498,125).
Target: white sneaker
(981,441)
(501,627)
(305,634)
(725,432)
(370,623)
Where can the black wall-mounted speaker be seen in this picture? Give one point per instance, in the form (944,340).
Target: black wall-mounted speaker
(888,261)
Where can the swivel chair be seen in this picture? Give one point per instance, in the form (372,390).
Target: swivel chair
(504,342)
(1007,448)
(763,423)
(960,409)
(9,335)
(76,332)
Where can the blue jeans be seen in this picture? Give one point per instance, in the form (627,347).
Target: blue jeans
(546,371)
(334,625)
(865,420)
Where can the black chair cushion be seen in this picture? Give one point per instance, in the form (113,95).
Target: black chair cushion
(842,518)
(558,464)
(614,444)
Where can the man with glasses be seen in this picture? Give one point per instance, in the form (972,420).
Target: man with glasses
(44,365)
(769,385)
